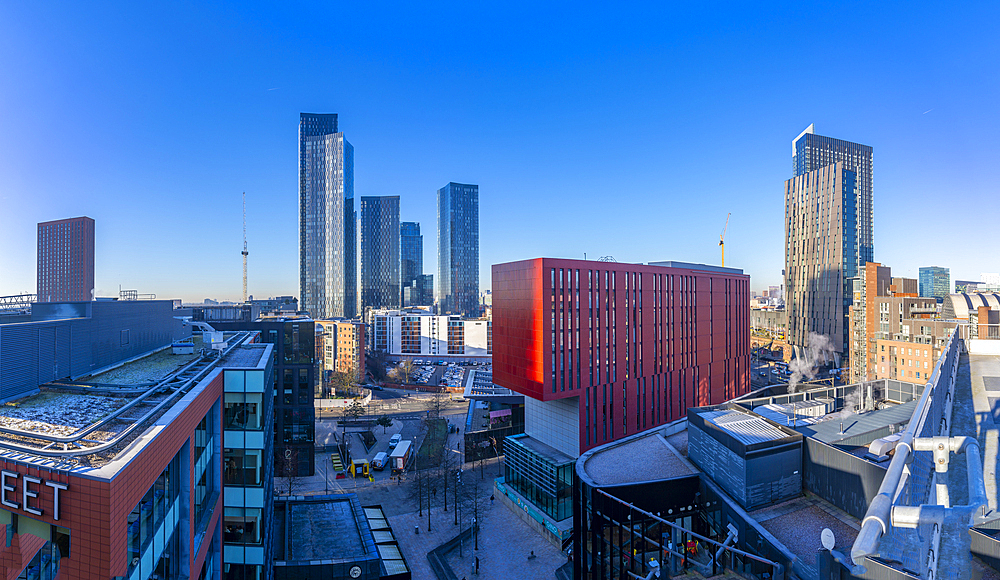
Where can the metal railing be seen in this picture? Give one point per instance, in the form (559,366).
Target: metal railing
(172,387)
(17,303)
(928,430)
(716,552)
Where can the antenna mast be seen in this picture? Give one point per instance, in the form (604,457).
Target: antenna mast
(245,247)
(722,241)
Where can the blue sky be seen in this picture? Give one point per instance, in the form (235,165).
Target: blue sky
(622,130)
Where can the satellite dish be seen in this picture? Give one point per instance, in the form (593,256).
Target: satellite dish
(826,536)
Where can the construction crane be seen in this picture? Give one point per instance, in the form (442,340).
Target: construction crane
(245,252)
(722,242)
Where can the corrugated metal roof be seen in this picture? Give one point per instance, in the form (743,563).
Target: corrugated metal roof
(747,429)
(781,415)
(829,431)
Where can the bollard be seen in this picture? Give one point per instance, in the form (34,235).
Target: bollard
(416,529)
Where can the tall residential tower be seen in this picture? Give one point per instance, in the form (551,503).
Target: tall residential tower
(828,237)
(458,250)
(380,252)
(411,252)
(327,238)
(66,260)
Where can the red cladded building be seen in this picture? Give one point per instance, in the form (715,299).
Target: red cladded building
(628,346)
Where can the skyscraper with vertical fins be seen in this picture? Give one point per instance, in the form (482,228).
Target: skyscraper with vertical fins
(327,231)
(828,238)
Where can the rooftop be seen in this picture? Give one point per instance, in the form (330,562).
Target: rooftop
(546,452)
(690,266)
(748,429)
(323,529)
(860,429)
(648,455)
(89,422)
(145,370)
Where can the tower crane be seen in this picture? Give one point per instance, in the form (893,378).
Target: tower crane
(245,252)
(722,244)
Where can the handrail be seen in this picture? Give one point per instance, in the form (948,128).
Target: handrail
(877,519)
(674,526)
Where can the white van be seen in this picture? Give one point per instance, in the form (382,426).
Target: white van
(378,463)
(394,440)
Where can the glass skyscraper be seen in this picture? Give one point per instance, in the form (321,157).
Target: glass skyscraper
(327,236)
(380,252)
(411,252)
(935,282)
(458,250)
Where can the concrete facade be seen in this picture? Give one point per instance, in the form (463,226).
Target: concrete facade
(555,422)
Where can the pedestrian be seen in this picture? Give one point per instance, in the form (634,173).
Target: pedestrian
(532,556)
(492,497)
(477,564)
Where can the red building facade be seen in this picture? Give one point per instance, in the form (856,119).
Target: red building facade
(638,344)
(66,260)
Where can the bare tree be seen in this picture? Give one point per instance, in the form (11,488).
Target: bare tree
(290,470)
(449,466)
(341,383)
(437,403)
(473,497)
(424,486)
(406,368)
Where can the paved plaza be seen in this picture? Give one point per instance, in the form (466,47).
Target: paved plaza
(505,542)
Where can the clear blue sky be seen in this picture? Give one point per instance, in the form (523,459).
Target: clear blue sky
(618,130)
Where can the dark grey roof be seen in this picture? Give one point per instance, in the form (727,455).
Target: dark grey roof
(690,266)
(856,425)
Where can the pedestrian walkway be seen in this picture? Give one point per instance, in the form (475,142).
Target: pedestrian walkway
(504,545)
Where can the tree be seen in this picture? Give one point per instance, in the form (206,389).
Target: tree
(473,495)
(351,414)
(424,489)
(341,382)
(406,368)
(289,468)
(385,422)
(435,404)
(450,463)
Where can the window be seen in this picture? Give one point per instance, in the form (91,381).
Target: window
(241,411)
(157,508)
(241,525)
(243,466)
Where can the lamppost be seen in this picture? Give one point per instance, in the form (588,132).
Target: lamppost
(458,482)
